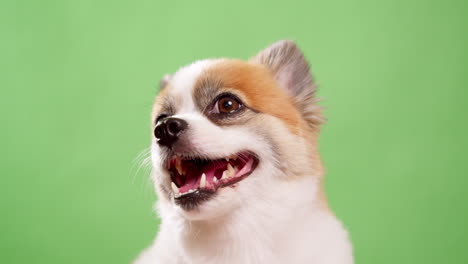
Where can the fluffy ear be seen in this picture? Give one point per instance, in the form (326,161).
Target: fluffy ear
(289,67)
(164,81)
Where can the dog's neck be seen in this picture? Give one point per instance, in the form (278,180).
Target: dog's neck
(258,225)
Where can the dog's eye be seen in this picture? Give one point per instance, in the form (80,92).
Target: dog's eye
(226,104)
(160,117)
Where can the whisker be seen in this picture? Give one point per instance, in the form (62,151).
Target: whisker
(141,162)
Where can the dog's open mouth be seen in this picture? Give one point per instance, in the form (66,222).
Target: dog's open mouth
(197,179)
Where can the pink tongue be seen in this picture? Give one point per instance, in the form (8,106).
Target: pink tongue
(194,176)
(189,184)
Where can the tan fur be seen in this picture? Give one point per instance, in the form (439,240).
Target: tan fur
(259,87)
(290,68)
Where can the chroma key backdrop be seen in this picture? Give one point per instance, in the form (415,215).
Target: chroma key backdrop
(78,79)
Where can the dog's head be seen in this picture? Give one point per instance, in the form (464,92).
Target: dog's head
(227,131)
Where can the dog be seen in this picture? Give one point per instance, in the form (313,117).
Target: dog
(236,165)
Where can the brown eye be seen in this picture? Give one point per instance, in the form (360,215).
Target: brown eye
(226,105)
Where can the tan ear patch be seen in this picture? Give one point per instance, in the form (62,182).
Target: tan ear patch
(259,88)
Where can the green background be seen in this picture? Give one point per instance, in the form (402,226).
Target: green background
(78,78)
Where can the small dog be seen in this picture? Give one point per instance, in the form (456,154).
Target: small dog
(236,165)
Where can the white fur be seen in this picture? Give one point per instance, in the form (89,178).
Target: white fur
(266,218)
(184,80)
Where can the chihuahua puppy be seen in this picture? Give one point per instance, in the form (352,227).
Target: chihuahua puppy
(236,165)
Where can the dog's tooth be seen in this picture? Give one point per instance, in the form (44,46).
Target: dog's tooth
(203,181)
(225,175)
(215,180)
(179,167)
(231,170)
(174,188)
(179,170)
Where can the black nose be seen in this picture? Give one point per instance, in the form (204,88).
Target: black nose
(167,131)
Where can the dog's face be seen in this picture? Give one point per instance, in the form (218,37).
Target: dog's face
(226,132)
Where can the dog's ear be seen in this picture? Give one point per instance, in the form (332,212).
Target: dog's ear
(164,81)
(291,70)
